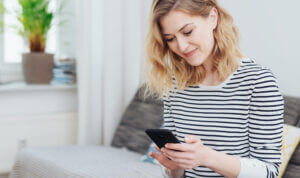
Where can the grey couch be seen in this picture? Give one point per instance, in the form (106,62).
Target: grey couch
(122,158)
(292,117)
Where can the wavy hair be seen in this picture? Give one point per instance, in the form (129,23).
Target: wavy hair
(162,64)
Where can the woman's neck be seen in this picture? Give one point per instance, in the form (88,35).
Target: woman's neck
(211,77)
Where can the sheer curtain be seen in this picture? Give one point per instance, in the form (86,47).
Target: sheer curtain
(109,50)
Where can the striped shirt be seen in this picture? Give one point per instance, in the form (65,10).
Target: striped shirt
(243,116)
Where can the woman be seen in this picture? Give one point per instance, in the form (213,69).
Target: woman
(225,109)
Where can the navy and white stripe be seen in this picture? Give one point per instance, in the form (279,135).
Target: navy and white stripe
(243,116)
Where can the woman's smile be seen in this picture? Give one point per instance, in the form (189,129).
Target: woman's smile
(191,53)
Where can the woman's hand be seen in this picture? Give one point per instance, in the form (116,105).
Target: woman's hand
(163,160)
(193,153)
(187,155)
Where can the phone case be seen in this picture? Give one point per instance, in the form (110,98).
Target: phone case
(161,136)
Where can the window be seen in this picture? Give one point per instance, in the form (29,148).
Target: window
(12,45)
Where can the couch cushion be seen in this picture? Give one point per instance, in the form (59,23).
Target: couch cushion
(292,117)
(140,115)
(290,141)
(82,161)
(296,156)
(292,171)
(298,124)
(291,110)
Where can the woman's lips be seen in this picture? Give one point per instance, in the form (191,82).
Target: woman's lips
(191,53)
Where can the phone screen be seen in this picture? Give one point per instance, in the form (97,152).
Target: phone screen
(161,137)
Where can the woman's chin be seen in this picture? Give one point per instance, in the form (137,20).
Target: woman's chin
(194,62)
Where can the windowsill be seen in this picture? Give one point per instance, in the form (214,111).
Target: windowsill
(22,86)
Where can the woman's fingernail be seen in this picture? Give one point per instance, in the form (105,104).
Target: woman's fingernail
(162,149)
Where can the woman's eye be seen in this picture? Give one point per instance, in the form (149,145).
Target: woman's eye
(169,40)
(188,33)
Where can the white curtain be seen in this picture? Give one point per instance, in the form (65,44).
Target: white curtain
(109,50)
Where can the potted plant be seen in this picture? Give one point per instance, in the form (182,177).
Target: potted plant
(35,20)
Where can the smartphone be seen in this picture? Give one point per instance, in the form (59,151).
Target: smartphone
(161,137)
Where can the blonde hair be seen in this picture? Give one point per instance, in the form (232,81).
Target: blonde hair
(162,64)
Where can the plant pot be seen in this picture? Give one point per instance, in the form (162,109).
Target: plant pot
(38,67)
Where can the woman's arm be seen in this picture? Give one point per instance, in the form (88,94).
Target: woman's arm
(265,127)
(195,154)
(266,122)
(233,166)
(226,165)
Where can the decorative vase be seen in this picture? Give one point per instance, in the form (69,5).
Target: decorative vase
(37,67)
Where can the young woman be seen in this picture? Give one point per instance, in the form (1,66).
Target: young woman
(225,109)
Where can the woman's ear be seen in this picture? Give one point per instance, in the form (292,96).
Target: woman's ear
(213,16)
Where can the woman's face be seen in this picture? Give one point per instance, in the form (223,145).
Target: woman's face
(190,37)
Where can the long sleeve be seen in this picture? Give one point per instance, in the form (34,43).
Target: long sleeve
(168,121)
(168,124)
(265,126)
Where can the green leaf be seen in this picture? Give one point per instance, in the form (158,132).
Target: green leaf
(2,11)
(36,19)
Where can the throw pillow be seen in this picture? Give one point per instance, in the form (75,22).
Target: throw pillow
(290,140)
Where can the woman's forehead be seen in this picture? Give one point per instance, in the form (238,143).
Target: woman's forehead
(176,20)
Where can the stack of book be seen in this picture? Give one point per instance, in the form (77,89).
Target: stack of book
(64,71)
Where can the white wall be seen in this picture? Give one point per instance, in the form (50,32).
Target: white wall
(270,35)
(35,115)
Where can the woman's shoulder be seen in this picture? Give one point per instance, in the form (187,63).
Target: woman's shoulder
(249,65)
(260,75)
(251,73)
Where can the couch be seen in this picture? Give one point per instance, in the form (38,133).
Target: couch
(123,157)
(292,117)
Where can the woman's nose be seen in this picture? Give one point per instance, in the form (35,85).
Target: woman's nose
(182,44)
